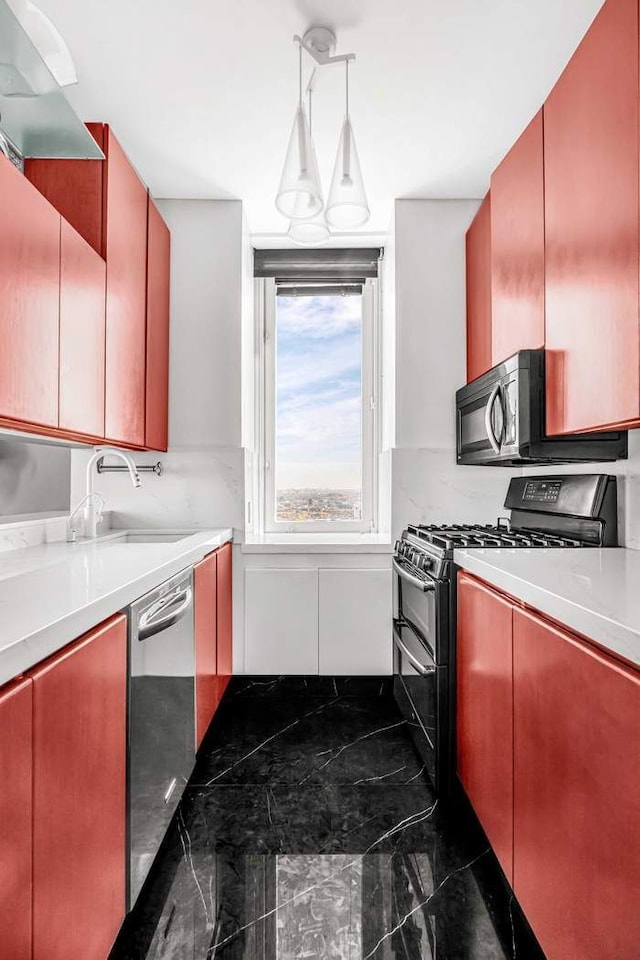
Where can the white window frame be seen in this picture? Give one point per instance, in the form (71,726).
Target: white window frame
(266,394)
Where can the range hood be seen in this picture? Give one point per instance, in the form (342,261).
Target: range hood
(35,115)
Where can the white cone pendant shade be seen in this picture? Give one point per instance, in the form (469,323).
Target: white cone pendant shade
(309,233)
(300,194)
(347,206)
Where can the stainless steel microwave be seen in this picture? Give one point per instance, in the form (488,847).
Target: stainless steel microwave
(500,421)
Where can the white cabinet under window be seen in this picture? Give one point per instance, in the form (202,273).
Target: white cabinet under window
(354,622)
(281,621)
(328,621)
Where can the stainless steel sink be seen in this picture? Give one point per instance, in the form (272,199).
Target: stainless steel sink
(147,536)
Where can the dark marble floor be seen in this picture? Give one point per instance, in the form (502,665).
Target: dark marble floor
(309,830)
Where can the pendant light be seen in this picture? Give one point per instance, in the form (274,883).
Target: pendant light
(299,196)
(347,206)
(312,231)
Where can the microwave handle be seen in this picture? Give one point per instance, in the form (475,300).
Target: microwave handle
(488,418)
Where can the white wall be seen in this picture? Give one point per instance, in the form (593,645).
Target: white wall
(430,365)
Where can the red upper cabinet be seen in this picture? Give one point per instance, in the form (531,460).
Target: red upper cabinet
(485,711)
(29,309)
(207,688)
(82,335)
(576,794)
(517,247)
(591,222)
(126,256)
(79,808)
(106,202)
(478,246)
(225,615)
(15,819)
(157,376)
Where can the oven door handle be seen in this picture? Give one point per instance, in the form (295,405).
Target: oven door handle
(488,418)
(414,581)
(421,668)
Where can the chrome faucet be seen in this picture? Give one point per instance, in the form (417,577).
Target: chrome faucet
(91,514)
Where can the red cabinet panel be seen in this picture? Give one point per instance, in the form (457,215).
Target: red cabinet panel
(485,711)
(225,616)
(82,335)
(591,222)
(126,255)
(576,795)
(517,247)
(478,247)
(207,687)
(79,796)
(158,271)
(74,188)
(29,309)
(15,819)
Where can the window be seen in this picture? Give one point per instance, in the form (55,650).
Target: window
(319,406)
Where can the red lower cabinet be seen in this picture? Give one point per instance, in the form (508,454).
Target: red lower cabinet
(485,711)
(15,820)
(207,688)
(225,616)
(576,794)
(79,772)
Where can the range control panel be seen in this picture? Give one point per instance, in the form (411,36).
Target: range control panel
(542,491)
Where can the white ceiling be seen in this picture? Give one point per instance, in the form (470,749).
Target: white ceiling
(201,92)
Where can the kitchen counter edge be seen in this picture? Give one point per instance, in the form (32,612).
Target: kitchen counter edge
(590,591)
(31,635)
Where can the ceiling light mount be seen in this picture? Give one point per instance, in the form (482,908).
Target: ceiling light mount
(320,43)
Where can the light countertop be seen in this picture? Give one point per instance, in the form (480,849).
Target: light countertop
(595,592)
(317,543)
(53,593)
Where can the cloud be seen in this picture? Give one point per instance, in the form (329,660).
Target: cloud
(318,318)
(319,406)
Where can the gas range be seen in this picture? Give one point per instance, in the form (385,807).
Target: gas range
(558,511)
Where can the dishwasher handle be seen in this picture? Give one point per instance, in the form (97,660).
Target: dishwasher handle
(163,614)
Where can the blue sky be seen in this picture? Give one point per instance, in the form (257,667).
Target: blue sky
(318,391)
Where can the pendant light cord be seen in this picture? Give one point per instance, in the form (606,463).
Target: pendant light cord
(300,74)
(346,84)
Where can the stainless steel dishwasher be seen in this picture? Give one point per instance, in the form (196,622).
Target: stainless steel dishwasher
(161,717)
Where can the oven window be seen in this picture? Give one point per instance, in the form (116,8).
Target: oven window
(419,609)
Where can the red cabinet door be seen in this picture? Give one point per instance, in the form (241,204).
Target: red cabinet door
(82,331)
(485,711)
(591,222)
(478,246)
(79,809)
(207,687)
(126,256)
(158,271)
(517,247)
(15,819)
(29,309)
(225,616)
(75,189)
(577,794)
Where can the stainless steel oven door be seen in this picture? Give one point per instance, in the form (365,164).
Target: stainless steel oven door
(415,601)
(420,689)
